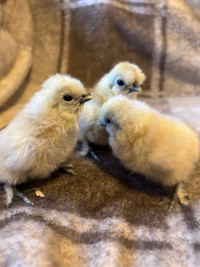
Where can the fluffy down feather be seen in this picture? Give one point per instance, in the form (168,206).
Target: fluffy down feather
(158,146)
(125,78)
(40,138)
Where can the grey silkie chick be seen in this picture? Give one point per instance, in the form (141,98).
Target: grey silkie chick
(39,140)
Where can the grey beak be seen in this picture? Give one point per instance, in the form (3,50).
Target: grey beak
(134,89)
(102,123)
(85,98)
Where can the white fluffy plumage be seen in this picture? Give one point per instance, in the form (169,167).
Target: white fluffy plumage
(40,138)
(161,147)
(125,78)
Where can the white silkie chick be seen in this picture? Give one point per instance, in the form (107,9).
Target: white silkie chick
(125,78)
(39,140)
(160,147)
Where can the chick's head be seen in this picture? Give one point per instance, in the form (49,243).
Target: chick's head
(115,114)
(60,94)
(126,78)
(121,114)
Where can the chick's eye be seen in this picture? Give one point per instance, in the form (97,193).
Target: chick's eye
(108,121)
(135,84)
(67,97)
(120,82)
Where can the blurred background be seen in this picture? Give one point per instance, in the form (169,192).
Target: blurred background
(86,38)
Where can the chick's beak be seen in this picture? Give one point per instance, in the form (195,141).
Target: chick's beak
(134,89)
(85,98)
(102,123)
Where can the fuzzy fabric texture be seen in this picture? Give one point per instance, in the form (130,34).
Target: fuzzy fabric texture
(103,216)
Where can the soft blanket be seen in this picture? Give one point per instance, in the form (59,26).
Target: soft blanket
(102,216)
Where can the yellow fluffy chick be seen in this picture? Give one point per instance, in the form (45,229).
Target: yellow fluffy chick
(125,78)
(40,138)
(162,148)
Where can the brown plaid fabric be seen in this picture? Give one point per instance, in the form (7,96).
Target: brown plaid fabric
(103,216)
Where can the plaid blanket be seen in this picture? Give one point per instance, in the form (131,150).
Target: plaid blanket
(102,216)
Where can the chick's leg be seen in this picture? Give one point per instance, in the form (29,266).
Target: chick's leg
(182,195)
(9,195)
(87,150)
(12,191)
(93,155)
(84,149)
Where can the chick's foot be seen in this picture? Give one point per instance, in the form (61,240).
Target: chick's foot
(68,169)
(171,202)
(11,191)
(178,196)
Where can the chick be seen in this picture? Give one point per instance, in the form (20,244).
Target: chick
(158,146)
(40,138)
(125,78)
